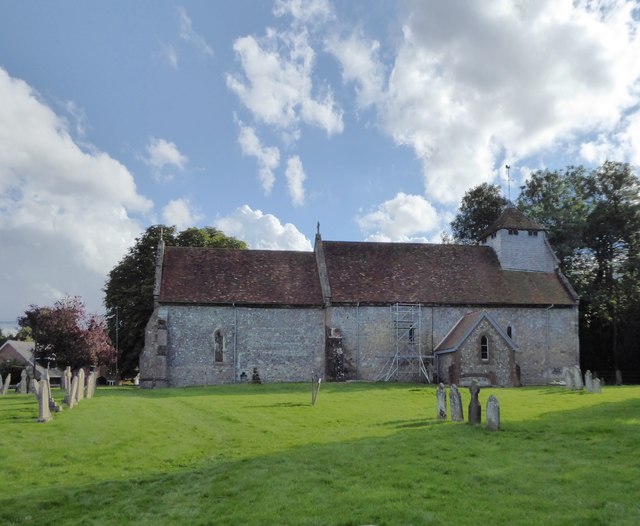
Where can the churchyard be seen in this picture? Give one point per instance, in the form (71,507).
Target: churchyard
(363,454)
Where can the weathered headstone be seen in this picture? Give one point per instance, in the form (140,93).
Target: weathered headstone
(22,386)
(67,380)
(91,384)
(455,401)
(80,391)
(493,413)
(43,403)
(255,376)
(1,386)
(475,411)
(7,382)
(577,378)
(618,377)
(588,381)
(35,388)
(568,378)
(73,396)
(441,397)
(597,386)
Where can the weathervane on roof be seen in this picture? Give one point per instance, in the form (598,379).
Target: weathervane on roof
(508,167)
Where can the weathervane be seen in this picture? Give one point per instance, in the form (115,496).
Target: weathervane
(508,181)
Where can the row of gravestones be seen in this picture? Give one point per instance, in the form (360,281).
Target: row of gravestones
(574,381)
(475,411)
(75,387)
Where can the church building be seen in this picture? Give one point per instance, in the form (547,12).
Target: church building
(498,313)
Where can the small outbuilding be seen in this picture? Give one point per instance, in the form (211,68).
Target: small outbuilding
(21,353)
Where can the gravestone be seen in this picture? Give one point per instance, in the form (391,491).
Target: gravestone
(618,377)
(91,384)
(80,390)
(597,386)
(475,411)
(73,395)
(456,404)
(67,381)
(441,397)
(1,386)
(7,382)
(35,388)
(493,414)
(255,376)
(577,378)
(43,403)
(22,386)
(588,381)
(568,378)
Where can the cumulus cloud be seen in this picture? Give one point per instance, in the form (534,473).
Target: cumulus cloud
(295,180)
(262,231)
(402,218)
(163,156)
(189,35)
(276,83)
(473,84)
(268,157)
(305,10)
(179,212)
(64,212)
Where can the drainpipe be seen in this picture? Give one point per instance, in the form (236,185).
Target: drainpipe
(358,341)
(236,365)
(548,349)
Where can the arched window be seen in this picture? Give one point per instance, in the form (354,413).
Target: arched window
(484,348)
(218,347)
(510,332)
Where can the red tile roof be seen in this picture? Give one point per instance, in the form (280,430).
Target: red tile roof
(366,273)
(385,273)
(225,276)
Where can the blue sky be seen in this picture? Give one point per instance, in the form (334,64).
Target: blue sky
(263,117)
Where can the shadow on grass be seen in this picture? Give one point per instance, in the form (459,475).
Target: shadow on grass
(419,475)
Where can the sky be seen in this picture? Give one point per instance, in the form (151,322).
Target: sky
(262,118)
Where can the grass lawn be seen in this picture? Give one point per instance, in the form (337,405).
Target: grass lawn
(365,454)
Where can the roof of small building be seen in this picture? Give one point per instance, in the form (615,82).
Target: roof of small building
(358,272)
(386,273)
(24,350)
(463,329)
(512,219)
(227,276)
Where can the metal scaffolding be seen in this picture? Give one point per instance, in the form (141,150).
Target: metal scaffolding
(407,362)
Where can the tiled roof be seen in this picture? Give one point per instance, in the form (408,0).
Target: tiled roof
(385,273)
(201,275)
(463,329)
(512,219)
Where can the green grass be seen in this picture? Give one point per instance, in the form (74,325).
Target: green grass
(365,454)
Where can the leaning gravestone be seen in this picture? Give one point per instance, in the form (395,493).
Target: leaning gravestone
(597,386)
(7,382)
(441,396)
(91,384)
(475,411)
(73,394)
(43,403)
(588,381)
(35,388)
(493,414)
(22,386)
(80,391)
(577,378)
(456,404)
(568,379)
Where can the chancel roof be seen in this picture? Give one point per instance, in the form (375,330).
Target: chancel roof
(358,272)
(226,276)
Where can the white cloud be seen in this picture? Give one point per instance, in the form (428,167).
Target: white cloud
(262,231)
(164,155)
(277,86)
(402,218)
(170,55)
(295,180)
(305,10)
(621,145)
(64,212)
(268,157)
(188,34)
(179,212)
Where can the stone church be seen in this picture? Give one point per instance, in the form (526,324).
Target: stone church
(498,313)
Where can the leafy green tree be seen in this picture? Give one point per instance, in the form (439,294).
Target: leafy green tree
(129,287)
(479,208)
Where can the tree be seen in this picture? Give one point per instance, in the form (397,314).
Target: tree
(479,208)
(66,336)
(129,287)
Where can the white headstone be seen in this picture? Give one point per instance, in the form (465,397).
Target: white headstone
(81,387)
(73,396)
(441,396)
(43,403)
(7,382)
(493,413)
(577,379)
(588,381)
(455,401)
(597,385)
(568,378)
